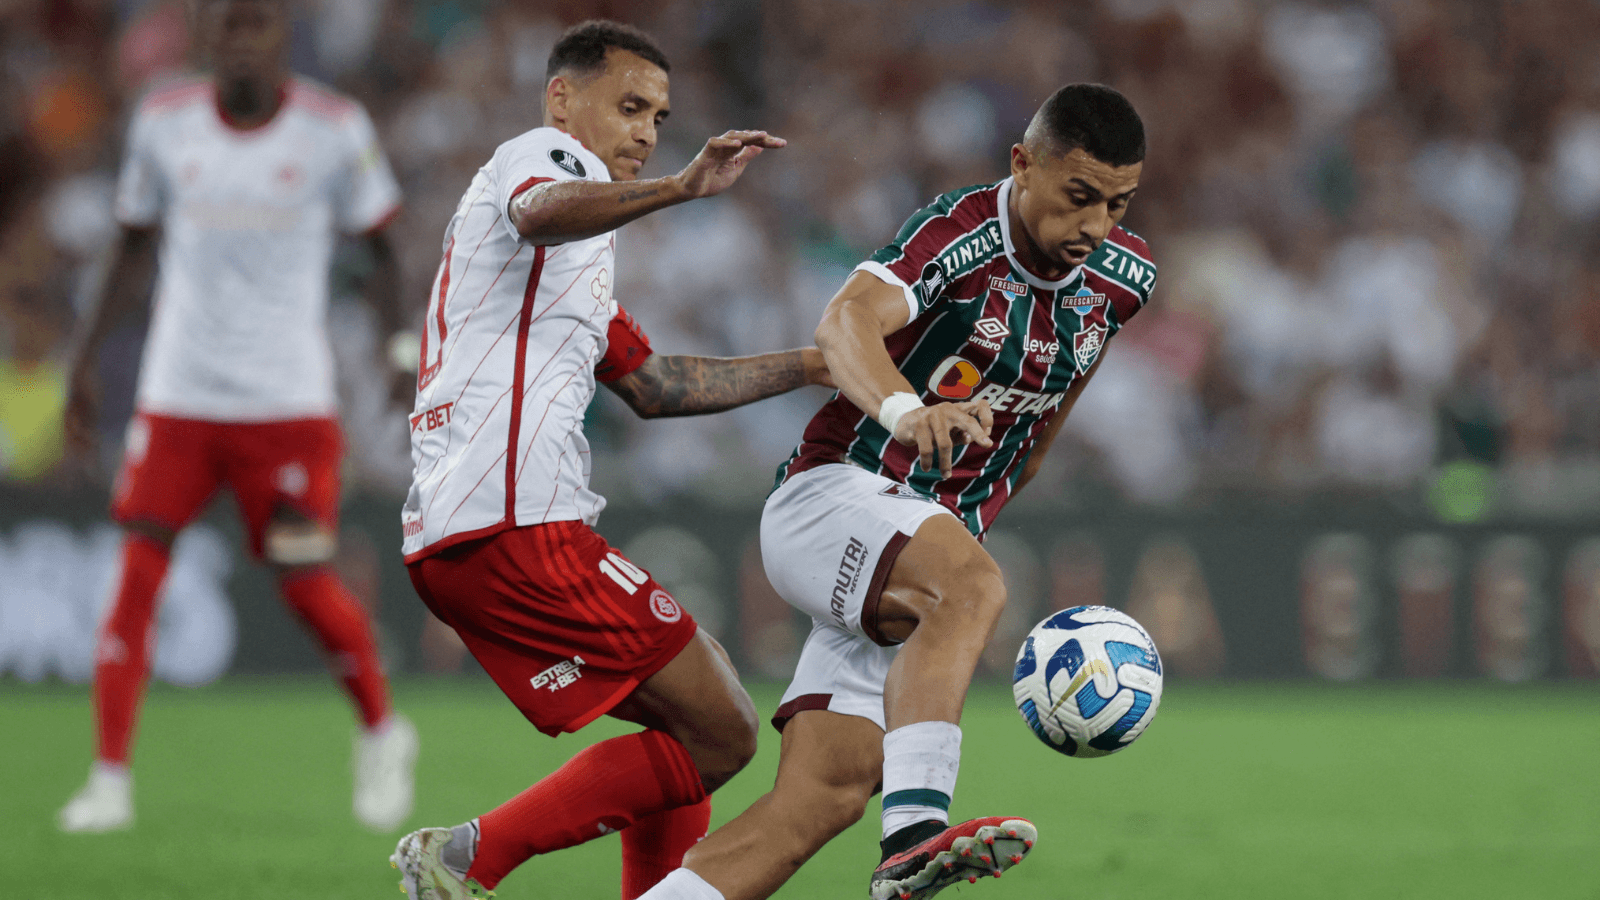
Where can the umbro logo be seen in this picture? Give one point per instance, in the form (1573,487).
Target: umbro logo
(991,328)
(568,161)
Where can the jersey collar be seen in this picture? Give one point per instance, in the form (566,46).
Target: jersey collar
(1004,200)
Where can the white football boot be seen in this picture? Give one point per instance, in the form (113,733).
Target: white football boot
(383,763)
(105,803)
(424,875)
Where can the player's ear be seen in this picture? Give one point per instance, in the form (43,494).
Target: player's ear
(1021,162)
(557,99)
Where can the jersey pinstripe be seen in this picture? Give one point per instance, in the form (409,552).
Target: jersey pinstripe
(513,334)
(981,327)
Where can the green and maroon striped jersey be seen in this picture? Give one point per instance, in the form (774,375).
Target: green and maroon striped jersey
(981,327)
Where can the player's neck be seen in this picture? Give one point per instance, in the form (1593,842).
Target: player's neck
(246,104)
(1027,252)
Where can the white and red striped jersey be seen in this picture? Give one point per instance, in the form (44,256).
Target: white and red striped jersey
(249,220)
(513,334)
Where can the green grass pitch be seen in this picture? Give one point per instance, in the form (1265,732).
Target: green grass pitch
(1461,790)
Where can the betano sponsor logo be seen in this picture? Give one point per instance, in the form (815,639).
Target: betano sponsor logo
(958,379)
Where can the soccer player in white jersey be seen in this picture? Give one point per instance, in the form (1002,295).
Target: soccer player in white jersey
(497,528)
(244,180)
(959,350)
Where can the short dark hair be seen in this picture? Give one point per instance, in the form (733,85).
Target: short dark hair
(581,50)
(1093,117)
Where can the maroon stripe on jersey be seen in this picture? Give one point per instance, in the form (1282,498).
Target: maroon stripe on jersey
(1124,301)
(939,232)
(516,384)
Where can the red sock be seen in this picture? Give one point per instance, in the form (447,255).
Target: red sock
(342,625)
(122,655)
(605,788)
(654,846)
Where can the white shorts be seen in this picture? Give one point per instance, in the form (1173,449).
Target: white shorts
(829,537)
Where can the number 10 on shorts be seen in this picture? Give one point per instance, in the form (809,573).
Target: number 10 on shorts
(627,575)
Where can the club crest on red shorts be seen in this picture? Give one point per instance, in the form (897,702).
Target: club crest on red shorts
(665,608)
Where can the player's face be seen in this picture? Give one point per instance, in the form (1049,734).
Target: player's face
(616,113)
(246,38)
(1068,203)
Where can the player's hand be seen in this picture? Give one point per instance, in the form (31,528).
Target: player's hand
(816,365)
(722,160)
(938,430)
(81,416)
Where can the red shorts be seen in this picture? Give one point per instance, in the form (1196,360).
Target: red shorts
(171,468)
(563,623)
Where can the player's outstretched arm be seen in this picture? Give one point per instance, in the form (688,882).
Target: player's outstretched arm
(1041,447)
(125,292)
(695,385)
(558,212)
(860,316)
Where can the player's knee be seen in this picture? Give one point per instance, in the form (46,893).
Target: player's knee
(734,747)
(294,541)
(828,809)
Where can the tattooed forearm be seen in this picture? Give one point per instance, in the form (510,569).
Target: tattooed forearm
(630,196)
(696,385)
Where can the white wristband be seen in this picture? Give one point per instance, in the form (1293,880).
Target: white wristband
(896,405)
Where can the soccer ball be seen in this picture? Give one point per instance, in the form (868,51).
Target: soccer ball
(1088,681)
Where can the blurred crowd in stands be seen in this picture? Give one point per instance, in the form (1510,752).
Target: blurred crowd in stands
(1377,223)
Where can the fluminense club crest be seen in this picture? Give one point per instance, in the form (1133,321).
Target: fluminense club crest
(1086,346)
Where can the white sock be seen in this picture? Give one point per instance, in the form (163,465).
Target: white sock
(920,762)
(110,771)
(682,884)
(380,729)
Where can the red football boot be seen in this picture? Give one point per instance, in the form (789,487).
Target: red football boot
(965,852)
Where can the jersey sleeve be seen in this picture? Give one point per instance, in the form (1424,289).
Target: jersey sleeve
(369,195)
(627,347)
(141,190)
(911,261)
(540,156)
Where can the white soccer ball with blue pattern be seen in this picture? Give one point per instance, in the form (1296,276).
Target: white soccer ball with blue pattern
(1088,681)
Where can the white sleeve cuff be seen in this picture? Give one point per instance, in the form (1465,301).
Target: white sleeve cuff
(882,273)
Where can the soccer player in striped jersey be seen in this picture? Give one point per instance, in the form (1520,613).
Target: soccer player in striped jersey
(243,180)
(959,350)
(498,525)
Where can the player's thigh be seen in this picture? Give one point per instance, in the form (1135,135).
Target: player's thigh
(839,672)
(564,623)
(285,476)
(168,474)
(942,560)
(830,537)
(697,698)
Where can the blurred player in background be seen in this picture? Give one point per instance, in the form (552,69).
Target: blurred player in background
(498,525)
(968,338)
(244,180)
